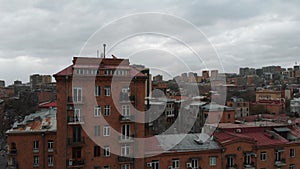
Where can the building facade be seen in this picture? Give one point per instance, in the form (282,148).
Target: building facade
(96,118)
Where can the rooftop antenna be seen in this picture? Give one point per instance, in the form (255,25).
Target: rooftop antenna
(104,45)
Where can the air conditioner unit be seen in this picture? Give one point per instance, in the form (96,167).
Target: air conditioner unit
(149,164)
(189,165)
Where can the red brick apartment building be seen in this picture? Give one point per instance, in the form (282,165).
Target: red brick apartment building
(32,142)
(91,113)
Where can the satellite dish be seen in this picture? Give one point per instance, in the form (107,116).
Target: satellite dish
(289,122)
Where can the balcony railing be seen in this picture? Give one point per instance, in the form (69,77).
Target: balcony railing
(126,118)
(280,162)
(76,100)
(75,120)
(76,141)
(234,166)
(126,139)
(75,163)
(125,159)
(249,166)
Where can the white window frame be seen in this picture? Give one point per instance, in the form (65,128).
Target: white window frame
(106,110)
(106,130)
(97,111)
(50,160)
(35,161)
(106,151)
(77,115)
(97,131)
(126,110)
(97,90)
(213,161)
(292,152)
(35,145)
(107,91)
(195,163)
(50,145)
(175,163)
(77,94)
(125,150)
(125,166)
(263,156)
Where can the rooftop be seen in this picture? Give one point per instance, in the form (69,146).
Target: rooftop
(41,121)
(178,143)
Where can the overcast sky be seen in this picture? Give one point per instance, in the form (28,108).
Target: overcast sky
(43,36)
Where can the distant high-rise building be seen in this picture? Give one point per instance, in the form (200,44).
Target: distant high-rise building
(214,74)
(158,78)
(205,74)
(39,81)
(2,83)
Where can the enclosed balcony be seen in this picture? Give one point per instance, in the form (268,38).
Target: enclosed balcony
(71,163)
(76,141)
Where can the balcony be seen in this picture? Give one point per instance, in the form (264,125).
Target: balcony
(76,141)
(231,166)
(249,166)
(13,152)
(126,118)
(280,163)
(126,139)
(75,163)
(75,120)
(125,159)
(126,98)
(76,100)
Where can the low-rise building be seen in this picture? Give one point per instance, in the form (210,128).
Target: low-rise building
(240,106)
(32,142)
(295,106)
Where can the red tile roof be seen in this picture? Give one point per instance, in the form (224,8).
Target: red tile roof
(259,135)
(48,105)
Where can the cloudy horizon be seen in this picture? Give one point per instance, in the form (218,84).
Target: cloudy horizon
(43,36)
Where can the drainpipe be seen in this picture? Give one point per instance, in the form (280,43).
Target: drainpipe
(67,94)
(44,158)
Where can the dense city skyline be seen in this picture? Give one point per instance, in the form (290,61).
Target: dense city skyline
(35,35)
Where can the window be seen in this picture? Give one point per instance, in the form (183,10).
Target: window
(96,151)
(247,159)
(50,160)
(278,156)
(194,163)
(35,146)
(228,116)
(126,166)
(106,110)
(292,166)
(175,163)
(97,111)
(263,156)
(106,151)
(125,132)
(77,115)
(125,150)
(213,161)
(77,94)
(230,161)
(97,90)
(97,130)
(97,167)
(292,152)
(106,167)
(107,91)
(125,110)
(35,161)
(106,130)
(50,146)
(76,153)
(155,164)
